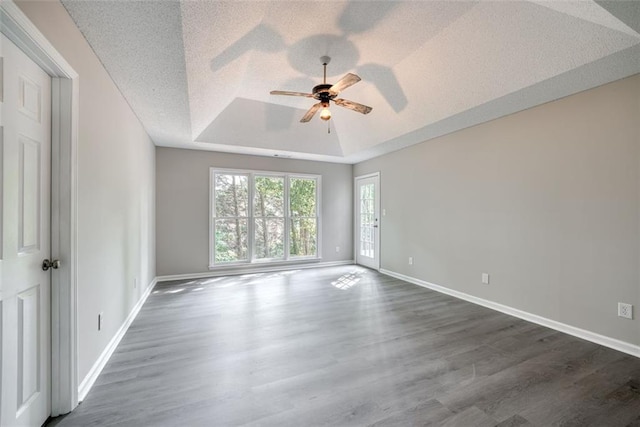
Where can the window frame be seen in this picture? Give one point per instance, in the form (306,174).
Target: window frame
(212,217)
(289,218)
(251,250)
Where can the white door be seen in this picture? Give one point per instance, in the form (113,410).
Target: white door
(25,231)
(367,221)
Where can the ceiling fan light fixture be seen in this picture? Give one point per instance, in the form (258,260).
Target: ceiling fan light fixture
(325,114)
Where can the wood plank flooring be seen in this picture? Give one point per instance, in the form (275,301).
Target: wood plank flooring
(348,346)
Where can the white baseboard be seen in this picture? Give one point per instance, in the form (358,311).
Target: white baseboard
(253,269)
(613,343)
(96,369)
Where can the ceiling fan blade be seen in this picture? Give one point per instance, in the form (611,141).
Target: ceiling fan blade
(284,92)
(345,82)
(353,106)
(311,112)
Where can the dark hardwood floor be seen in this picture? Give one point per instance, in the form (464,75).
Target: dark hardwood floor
(349,346)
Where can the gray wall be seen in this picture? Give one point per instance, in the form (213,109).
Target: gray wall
(116,194)
(546,201)
(182,186)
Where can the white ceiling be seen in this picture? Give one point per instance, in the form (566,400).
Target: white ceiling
(198,73)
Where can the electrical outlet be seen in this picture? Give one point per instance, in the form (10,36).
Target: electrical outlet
(625,310)
(337,248)
(410,260)
(485,278)
(100,320)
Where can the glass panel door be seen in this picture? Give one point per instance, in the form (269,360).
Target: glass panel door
(367,221)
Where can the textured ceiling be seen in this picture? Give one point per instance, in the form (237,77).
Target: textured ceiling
(198,73)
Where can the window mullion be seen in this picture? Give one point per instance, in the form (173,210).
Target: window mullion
(251,219)
(318,225)
(286,211)
(212,218)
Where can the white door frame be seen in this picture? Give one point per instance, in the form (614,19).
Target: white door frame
(356,200)
(15,25)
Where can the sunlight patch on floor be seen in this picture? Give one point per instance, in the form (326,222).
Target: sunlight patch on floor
(347,281)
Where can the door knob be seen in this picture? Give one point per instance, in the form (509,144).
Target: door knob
(47,264)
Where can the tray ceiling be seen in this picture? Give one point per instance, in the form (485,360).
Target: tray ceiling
(198,73)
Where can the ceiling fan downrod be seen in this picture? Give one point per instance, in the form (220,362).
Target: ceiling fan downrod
(325,60)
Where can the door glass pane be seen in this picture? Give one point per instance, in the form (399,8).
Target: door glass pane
(367,219)
(231,240)
(302,239)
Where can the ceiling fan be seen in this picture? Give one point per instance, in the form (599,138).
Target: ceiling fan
(325,93)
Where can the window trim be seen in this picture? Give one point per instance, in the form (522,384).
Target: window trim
(251,258)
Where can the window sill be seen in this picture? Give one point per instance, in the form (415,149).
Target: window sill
(264,265)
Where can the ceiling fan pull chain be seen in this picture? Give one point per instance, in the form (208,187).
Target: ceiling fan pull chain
(328,126)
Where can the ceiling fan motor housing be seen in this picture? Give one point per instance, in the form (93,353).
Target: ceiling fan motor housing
(322,94)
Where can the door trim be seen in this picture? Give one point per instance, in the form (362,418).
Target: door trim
(15,25)
(355,219)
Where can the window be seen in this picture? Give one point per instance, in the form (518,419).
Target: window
(268,208)
(263,217)
(304,223)
(231,217)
